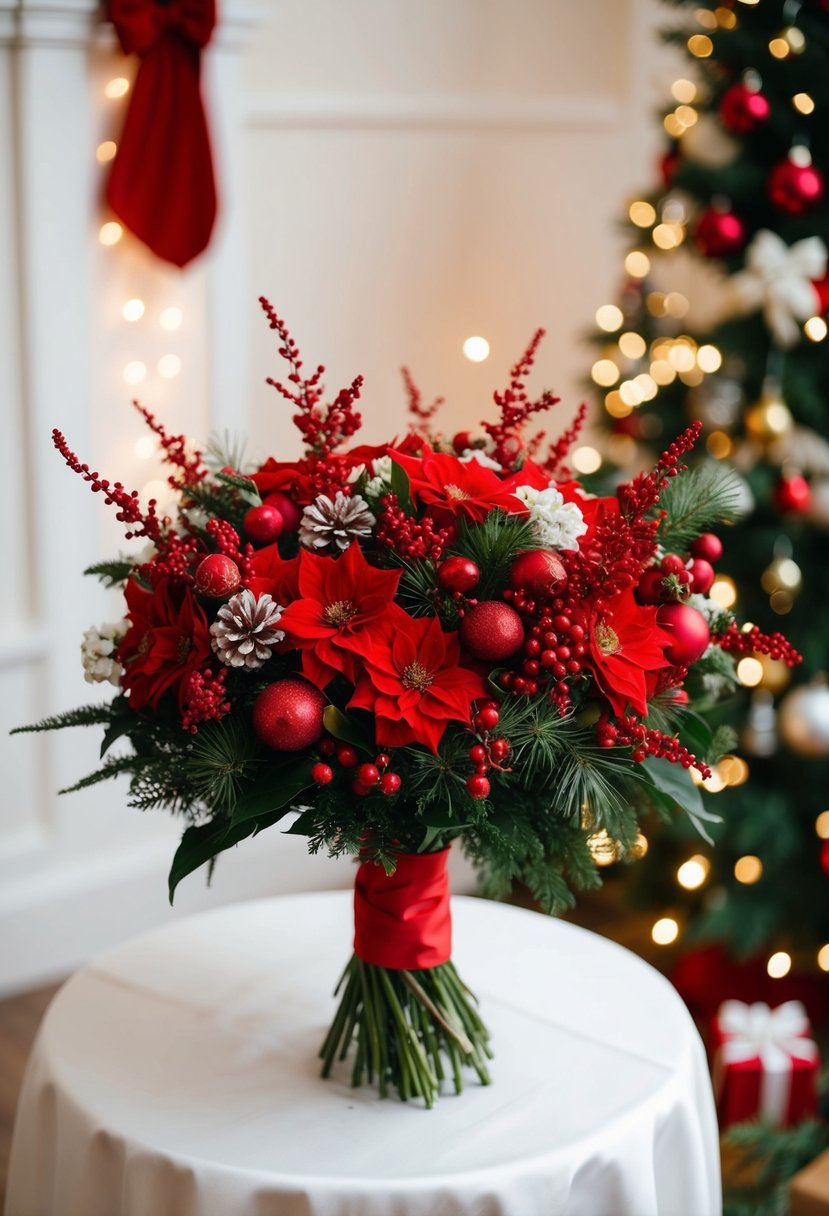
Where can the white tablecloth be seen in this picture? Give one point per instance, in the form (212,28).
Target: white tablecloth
(178,1076)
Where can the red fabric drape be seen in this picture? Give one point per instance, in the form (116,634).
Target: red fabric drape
(402,920)
(162,185)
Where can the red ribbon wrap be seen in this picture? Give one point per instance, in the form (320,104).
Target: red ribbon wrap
(162,185)
(402,920)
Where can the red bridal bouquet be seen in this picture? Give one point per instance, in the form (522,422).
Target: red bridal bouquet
(393,647)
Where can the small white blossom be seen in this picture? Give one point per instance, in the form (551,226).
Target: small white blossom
(558,524)
(380,483)
(482,458)
(709,608)
(97,650)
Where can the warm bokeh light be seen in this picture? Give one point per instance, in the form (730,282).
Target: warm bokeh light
(733,770)
(665,931)
(725,18)
(662,372)
(106,151)
(642,214)
(119,86)
(476,349)
(637,264)
(647,386)
(803,103)
(684,90)
(170,318)
(615,406)
(603,848)
(604,372)
(133,310)
(749,672)
(823,957)
(682,355)
(815,329)
(723,591)
(630,393)
(145,447)
(609,318)
(632,345)
(709,358)
(169,366)
(586,460)
(693,872)
(135,371)
(822,825)
(719,444)
(779,964)
(676,304)
(639,847)
(748,869)
(706,18)
(110,233)
(700,45)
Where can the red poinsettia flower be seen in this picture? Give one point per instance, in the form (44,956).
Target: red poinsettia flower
(168,639)
(341,601)
(625,643)
(450,487)
(292,477)
(274,575)
(412,680)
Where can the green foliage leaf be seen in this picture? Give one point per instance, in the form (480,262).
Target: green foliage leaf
(400,487)
(493,545)
(246,488)
(275,790)
(347,729)
(111,574)
(201,843)
(672,786)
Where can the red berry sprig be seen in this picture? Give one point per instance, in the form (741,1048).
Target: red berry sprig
(177,451)
(410,538)
(146,523)
(627,732)
(488,753)
(751,641)
(204,698)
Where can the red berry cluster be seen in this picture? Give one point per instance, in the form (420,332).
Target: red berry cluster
(487,754)
(129,509)
(408,537)
(516,407)
(323,427)
(627,732)
(553,650)
(175,448)
(368,778)
(752,641)
(422,413)
(175,560)
(642,494)
(204,699)
(227,541)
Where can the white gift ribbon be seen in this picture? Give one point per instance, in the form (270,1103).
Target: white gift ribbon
(776,1037)
(778,278)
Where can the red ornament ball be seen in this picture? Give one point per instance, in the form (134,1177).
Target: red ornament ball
(702,576)
(287,508)
(672,563)
(689,632)
(478,786)
(821,287)
(389,784)
(792,495)
(492,631)
(651,587)
(217,576)
(719,234)
(538,571)
(668,166)
(462,441)
(708,546)
(743,110)
(287,715)
(795,189)
(263,525)
(458,574)
(321,773)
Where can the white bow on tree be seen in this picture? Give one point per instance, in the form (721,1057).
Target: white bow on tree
(778,278)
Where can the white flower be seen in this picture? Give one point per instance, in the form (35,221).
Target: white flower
(558,524)
(707,607)
(97,650)
(380,483)
(482,458)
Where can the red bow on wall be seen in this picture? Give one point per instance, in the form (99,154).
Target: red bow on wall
(162,185)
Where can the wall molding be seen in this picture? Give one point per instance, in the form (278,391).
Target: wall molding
(450,112)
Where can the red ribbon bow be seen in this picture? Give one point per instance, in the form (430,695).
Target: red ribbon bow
(402,920)
(162,185)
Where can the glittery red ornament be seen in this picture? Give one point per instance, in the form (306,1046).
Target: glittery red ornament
(538,571)
(458,574)
(689,632)
(492,631)
(792,495)
(708,546)
(742,109)
(263,525)
(719,234)
(795,189)
(702,576)
(217,576)
(287,715)
(287,508)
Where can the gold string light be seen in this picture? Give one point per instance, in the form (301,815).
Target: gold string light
(748,869)
(609,318)
(692,873)
(779,964)
(665,931)
(803,103)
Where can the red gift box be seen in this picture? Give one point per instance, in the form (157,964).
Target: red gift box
(764,1064)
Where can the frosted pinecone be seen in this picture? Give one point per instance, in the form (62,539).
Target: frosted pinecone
(330,526)
(97,651)
(245,630)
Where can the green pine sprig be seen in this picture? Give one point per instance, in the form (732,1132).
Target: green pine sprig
(700,498)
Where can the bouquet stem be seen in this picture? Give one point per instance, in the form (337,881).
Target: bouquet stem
(409,1028)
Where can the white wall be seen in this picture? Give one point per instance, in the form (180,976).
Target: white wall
(396,177)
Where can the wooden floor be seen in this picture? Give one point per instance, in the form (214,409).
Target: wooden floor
(19,1019)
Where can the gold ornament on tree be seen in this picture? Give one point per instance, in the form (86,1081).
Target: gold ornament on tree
(804,719)
(769,419)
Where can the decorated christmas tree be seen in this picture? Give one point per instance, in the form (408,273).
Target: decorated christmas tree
(721,317)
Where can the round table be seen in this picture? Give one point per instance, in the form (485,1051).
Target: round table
(178,1076)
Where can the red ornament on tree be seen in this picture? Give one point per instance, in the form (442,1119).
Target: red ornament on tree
(263,525)
(719,234)
(824,857)
(462,442)
(793,188)
(708,546)
(539,571)
(689,632)
(702,576)
(492,631)
(287,715)
(668,165)
(458,574)
(792,495)
(742,109)
(821,295)
(287,508)
(217,576)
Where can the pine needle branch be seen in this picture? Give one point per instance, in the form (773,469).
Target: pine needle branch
(85,715)
(698,499)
